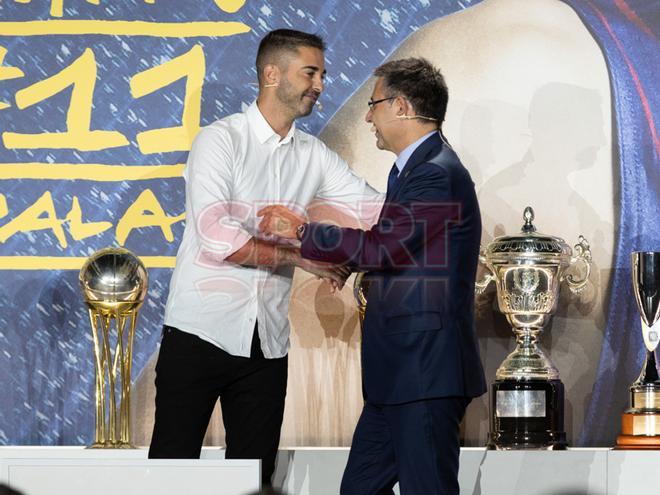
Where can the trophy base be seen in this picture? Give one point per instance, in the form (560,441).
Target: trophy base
(112,446)
(639,431)
(527,414)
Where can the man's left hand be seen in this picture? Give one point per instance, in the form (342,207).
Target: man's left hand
(280,221)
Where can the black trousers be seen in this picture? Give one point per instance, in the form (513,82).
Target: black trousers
(191,374)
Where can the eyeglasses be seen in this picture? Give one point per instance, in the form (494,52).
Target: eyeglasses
(373,103)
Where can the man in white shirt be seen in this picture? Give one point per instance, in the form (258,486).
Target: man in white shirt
(226,331)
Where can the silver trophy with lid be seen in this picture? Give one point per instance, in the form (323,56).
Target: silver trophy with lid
(527,399)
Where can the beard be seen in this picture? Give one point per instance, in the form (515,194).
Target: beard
(294,100)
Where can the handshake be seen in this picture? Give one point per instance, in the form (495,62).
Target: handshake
(280,221)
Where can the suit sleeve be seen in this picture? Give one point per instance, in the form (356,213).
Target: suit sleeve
(401,235)
(343,189)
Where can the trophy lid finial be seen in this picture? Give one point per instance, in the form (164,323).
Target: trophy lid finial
(527,244)
(528,216)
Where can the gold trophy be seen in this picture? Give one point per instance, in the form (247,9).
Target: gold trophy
(527,397)
(640,424)
(114,285)
(360,288)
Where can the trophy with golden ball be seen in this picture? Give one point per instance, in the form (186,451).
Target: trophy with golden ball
(114,285)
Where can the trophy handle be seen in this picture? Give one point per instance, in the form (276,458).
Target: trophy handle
(481,285)
(584,256)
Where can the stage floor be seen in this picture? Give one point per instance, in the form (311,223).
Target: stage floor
(317,471)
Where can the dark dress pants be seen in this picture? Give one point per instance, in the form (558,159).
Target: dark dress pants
(191,374)
(416,444)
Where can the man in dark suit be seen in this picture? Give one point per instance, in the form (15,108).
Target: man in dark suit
(420,359)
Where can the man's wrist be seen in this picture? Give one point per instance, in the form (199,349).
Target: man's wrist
(289,256)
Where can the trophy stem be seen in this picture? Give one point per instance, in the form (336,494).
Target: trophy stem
(118,370)
(526,339)
(113,376)
(527,344)
(112,420)
(649,373)
(527,361)
(127,359)
(99,392)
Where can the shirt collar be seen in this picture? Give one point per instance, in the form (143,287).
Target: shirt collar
(405,155)
(262,128)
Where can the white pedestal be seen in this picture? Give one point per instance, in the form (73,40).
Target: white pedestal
(78,471)
(570,472)
(633,471)
(317,471)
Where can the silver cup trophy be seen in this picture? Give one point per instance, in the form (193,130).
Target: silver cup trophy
(527,397)
(640,424)
(114,284)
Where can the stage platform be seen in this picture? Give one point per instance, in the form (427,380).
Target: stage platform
(317,471)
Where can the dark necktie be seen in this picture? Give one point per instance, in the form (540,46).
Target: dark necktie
(391,179)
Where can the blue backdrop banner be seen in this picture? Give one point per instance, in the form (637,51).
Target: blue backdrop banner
(98,106)
(627,32)
(99,103)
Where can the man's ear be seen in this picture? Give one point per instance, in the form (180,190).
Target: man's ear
(271,76)
(402,105)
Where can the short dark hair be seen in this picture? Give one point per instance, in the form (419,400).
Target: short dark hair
(284,40)
(419,82)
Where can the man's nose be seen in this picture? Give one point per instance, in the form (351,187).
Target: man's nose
(319,85)
(367,117)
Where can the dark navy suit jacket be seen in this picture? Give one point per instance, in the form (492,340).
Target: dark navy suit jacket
(418,339)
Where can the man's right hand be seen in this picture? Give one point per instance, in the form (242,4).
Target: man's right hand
(336,275)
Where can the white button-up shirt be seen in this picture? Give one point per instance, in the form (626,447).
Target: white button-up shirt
(236,166)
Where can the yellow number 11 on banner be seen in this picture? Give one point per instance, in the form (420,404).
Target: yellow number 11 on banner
(82,73)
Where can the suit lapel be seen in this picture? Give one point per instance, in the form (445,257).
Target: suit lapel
(420,155)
